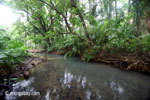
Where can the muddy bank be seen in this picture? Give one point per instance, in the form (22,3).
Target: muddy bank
(20,72)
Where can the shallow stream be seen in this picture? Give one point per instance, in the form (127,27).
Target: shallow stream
(71,79)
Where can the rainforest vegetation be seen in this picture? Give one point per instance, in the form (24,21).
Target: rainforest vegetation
(115,32)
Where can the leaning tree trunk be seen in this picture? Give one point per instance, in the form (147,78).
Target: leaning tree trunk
(73,4)
(138,25)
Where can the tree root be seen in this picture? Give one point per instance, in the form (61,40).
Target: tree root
(127,62)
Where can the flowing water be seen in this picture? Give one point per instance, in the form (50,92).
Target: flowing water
(71,79)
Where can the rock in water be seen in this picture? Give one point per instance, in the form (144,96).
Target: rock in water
(26,74)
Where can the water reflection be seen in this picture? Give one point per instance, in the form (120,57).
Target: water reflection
(68,77)
(47,96)
(88,94)
(83,82)
(19,87)
(116,87)
(59,79)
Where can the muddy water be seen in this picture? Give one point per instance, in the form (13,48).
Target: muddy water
(70,79)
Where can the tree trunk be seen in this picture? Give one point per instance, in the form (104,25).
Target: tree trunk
(129,6)
(82,21)
(138,24)
(116,9)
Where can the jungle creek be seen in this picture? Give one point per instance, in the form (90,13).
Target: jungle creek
(75,50)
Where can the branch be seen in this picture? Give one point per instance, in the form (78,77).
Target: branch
(42,23)
(54,8)
(82,20)
(52,21)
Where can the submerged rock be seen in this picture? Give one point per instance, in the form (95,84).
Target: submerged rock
(26,74)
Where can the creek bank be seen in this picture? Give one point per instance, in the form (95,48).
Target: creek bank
(124,61)
(20,72)
(51,52)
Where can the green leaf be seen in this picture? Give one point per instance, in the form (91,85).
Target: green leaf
(2,56)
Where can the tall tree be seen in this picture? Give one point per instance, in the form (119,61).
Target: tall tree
(137,5)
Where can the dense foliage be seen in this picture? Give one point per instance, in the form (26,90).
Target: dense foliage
(115,32)
(12,51)
(85,28)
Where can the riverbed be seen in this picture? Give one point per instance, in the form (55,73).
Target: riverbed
(60,78)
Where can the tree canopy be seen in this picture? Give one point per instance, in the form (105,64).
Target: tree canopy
(85,28)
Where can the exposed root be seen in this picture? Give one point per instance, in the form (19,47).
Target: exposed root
(127,62)
(133,65)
